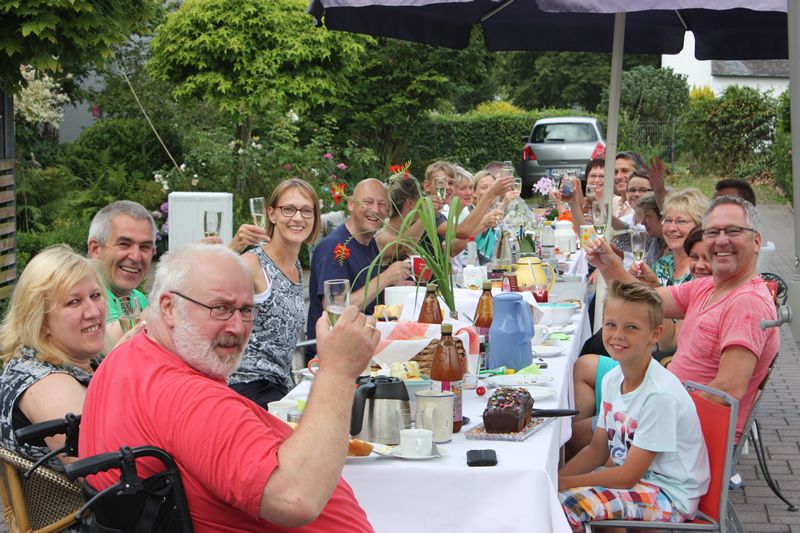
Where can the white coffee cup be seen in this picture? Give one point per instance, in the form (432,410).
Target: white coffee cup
(282,408)
(416,442)
(435,412)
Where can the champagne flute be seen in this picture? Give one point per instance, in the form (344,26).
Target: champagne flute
(212,223)
(508,168)
(258,209)
(440,183)
(599,217)
(518,185)
(337,298)
(129,310)
(638,241)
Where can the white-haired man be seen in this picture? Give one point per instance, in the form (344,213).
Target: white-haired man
(243,469)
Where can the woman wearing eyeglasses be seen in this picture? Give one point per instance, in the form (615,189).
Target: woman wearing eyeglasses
(683,211)
(264,374)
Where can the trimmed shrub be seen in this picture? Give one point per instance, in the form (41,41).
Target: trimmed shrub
(475,139)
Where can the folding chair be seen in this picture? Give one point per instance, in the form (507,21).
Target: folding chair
(718,423)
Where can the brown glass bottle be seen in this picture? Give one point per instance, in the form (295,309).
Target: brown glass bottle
(430,313)
(484,314)
(447,372)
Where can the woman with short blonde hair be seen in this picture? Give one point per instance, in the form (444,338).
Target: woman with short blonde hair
(50,340)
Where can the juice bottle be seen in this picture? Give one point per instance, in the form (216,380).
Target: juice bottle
(447,372)
(484,313)
(430,313)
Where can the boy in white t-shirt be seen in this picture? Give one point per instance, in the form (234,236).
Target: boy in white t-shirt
(648,432)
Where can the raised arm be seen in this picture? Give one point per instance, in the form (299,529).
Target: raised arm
(310,461)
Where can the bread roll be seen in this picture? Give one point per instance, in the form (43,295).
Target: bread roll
(359,448)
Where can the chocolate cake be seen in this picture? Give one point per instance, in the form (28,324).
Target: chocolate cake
(508,410)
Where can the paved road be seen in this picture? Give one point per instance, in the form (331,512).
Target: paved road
(758,509)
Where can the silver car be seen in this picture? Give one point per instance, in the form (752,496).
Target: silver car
(560,147)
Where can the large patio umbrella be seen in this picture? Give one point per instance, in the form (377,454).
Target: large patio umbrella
(723,29)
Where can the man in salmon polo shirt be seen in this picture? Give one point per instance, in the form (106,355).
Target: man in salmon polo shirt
(243,469)
(721,343)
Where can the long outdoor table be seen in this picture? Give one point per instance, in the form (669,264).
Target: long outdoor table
(444,494)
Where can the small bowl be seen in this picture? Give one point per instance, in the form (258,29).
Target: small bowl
(557,313)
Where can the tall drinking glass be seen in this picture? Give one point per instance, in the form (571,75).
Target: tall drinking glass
(129,310)
(440,183)
(258,210)
(212,223)
(599,218)
(638,242)
(337,297)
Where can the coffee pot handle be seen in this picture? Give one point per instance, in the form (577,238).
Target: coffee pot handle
(366,390)
(552,276)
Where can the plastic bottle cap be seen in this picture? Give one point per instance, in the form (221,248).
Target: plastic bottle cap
(487,285)
(447,328)
(431,287)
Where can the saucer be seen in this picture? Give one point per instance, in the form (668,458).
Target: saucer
(543,350)
(362,458)
(540,393)
(435,452)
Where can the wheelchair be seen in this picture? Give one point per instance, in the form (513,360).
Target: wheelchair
(132,505)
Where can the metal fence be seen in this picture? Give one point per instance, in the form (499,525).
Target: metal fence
(651,137)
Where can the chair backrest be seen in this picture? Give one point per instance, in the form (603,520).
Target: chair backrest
(718,422)
(783,287)
(48,499)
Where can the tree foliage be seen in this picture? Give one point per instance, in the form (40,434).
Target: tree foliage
(649,93)
(400,82)
(254,57)
(65,35)
(535,80)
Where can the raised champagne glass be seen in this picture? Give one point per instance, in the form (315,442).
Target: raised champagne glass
(212,223)
(337,298)
(599,218)
(258,210)
(129,310)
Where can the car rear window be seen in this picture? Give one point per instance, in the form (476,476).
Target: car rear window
(564,133)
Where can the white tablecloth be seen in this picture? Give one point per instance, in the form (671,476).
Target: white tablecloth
(444,494)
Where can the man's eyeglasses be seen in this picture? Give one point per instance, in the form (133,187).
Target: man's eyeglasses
(676,221)
(289,210)
(731,231)
(223,311)
(640,190)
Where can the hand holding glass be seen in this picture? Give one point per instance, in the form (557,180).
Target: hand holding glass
(337,297)
(212,223)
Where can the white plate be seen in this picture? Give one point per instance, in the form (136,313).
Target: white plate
(562,328)
(543,350)
(361,459)
(437,452)
(516,380)
(540,393)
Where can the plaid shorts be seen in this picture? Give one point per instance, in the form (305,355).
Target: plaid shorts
(642,502)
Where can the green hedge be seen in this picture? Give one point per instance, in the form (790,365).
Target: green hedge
(475,139)
(782,149)
(30,244)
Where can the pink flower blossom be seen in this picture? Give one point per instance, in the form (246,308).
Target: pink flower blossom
(341,166)
(327,155)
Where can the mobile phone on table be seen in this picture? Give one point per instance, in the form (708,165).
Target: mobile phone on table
(481,458)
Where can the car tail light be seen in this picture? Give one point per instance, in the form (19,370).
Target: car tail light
(528,155)
(599,151)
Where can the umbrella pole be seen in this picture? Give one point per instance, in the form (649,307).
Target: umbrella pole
(617,50)
(793,15)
